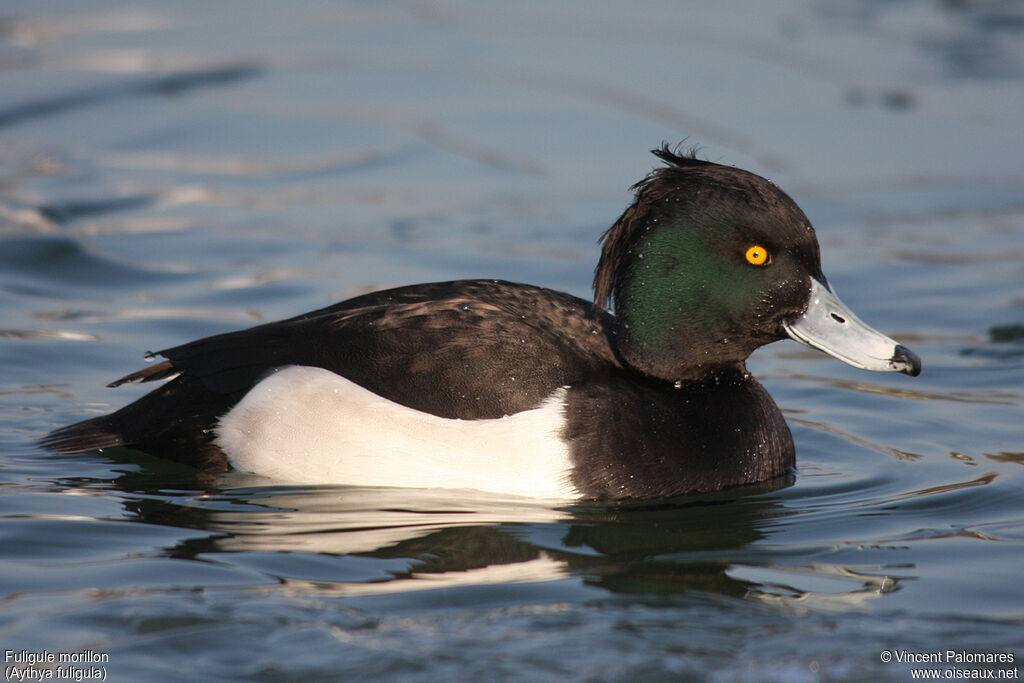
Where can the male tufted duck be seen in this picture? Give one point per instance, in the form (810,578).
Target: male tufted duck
(507,387)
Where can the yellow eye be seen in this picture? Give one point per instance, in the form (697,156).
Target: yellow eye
(757,255)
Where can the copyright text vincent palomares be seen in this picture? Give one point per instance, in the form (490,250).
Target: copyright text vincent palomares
(955,664)
(48,665)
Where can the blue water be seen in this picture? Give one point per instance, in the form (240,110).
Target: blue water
(172,170)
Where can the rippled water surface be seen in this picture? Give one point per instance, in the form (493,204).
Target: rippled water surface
(171,170)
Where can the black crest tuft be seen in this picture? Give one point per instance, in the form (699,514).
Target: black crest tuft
(678,157)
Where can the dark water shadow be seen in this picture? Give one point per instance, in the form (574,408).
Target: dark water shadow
(153,86)
(50,262)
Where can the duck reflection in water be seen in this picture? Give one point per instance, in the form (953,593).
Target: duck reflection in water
(419,540)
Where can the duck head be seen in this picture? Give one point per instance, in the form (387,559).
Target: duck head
(711,262)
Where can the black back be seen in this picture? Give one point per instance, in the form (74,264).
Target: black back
(468,349)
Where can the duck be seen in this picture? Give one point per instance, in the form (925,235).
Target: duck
(518,389)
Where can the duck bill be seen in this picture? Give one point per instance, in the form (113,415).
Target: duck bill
(828,325)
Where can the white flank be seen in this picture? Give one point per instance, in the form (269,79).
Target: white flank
(309,425)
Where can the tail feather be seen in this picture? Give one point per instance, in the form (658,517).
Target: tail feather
(175,421)
(162,370)
(83,437)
